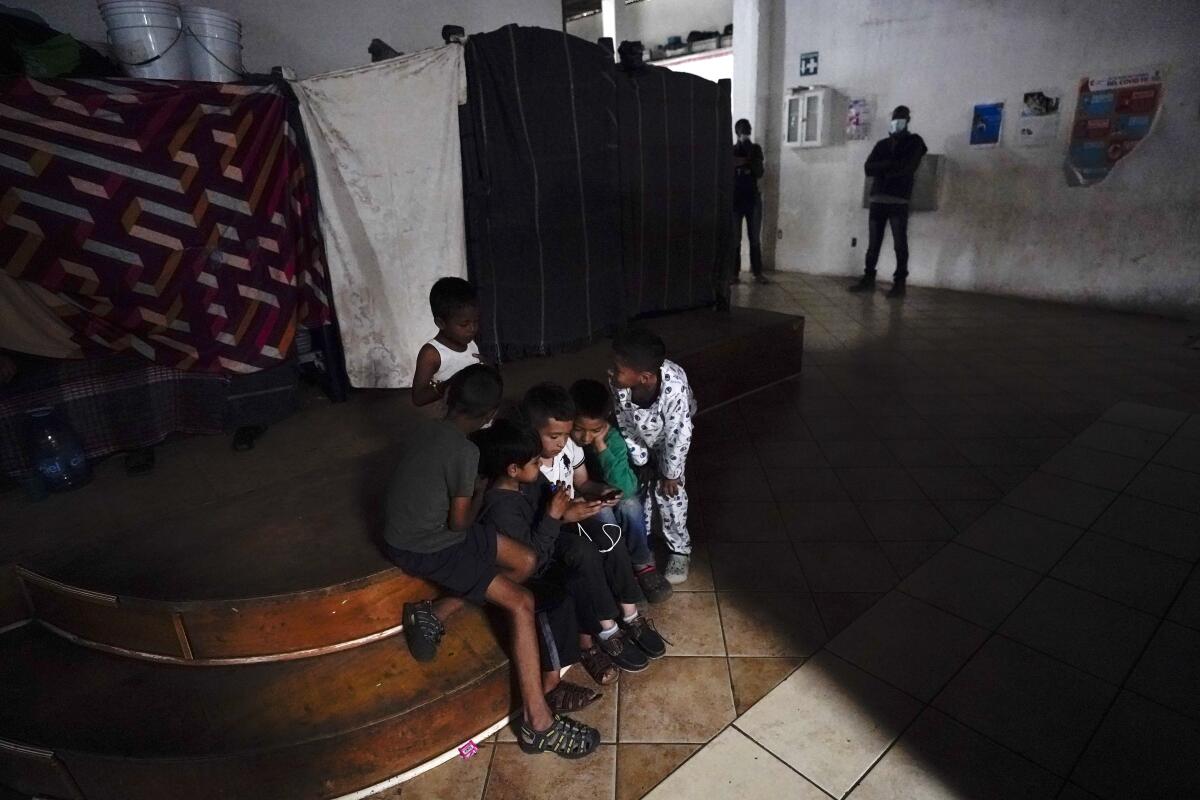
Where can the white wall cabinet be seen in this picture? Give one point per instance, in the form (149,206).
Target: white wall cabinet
(808,118)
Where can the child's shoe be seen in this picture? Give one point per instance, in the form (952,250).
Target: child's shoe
(619,648)
(597,664)
(566,738)
(641,632)
(422,630)
(654,586)
(677,568)
(570,697)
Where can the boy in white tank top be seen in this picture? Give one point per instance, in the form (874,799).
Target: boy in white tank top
(455,308)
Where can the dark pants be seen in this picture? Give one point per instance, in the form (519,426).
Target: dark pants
(878,218)
(595,581)
(753,223)
(557,625)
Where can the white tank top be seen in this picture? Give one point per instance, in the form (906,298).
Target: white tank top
(453,361)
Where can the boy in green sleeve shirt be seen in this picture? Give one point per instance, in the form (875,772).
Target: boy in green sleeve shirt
(605,446)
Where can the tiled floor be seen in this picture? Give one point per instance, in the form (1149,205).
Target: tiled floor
(924,568)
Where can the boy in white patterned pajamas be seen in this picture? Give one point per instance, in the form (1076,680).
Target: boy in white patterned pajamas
(655,406)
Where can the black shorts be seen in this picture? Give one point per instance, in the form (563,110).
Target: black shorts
(466,569)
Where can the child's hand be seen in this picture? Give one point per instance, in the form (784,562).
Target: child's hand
(560,501)
(669,487)
(582,509)
(599,444)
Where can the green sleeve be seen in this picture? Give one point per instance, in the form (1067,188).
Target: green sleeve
(614,462)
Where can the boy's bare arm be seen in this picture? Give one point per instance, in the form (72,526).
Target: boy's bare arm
(424,391)
(590,489)
(462,513)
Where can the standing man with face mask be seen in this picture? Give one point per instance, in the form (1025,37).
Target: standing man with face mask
(747,200)
(891,166)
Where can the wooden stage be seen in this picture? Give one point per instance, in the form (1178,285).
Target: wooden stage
(227,628)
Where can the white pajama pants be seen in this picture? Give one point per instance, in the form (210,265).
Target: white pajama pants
(673,511)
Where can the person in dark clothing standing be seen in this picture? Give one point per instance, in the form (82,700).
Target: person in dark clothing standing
(891,166)
(747,200)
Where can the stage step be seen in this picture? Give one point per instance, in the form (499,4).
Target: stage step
(280,572)
(77,722)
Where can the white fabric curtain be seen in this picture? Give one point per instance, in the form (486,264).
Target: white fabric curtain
(28,323)
(385,141)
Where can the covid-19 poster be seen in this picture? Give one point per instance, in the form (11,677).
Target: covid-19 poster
(1114,114)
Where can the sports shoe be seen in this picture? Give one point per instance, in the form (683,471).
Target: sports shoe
(654,586)
(422,630)
(565,737)
(897,289)
(677,568)
(864,284)
(619,649)
(761,279)
(641,631)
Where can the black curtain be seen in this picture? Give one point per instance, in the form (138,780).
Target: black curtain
(592,194)
(676,188)
(540,173)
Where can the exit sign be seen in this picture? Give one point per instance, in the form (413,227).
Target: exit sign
(808,63)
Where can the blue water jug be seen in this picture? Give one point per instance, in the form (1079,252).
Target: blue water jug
(55,451)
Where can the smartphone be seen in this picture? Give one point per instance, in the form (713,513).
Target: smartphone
(610,495)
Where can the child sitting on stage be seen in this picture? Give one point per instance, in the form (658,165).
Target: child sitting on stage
(655,407)
(509,458)
(608,459)
(455,307)
(430,533)
(610,634)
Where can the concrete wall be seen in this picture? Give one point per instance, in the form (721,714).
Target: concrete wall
(653,21)
(320,35)
(1008,223)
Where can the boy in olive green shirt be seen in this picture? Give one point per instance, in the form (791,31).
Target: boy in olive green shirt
(605,446)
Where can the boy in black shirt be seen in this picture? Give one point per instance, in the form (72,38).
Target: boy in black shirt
(520,505)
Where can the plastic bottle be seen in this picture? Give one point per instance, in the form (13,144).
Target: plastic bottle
(55,451)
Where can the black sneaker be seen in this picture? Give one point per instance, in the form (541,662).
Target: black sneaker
(864,284)
(897,289)
(422,630)
(623,653)
(654,585)
(643,633)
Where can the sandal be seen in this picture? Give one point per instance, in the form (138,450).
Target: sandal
(566,738)
(599,665)
(569,696)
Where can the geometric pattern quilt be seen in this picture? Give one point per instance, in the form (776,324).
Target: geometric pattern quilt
(174,219)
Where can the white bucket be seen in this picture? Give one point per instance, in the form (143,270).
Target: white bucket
(146,37)
(214,44)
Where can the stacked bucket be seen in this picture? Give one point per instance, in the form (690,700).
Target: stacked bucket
(160,39)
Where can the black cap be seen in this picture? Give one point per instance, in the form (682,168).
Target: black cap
(901,112)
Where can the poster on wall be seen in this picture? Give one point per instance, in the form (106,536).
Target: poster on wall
(1114,113)
(986,124)
(858,119)
(1038,125)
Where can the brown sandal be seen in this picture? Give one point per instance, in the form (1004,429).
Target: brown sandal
(599,665)
(570,697)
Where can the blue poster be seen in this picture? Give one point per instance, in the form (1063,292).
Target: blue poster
(986,124)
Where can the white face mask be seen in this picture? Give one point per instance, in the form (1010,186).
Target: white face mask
(743,137)
(898,125)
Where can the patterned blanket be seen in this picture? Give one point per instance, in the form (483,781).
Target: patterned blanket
(172,219)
